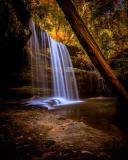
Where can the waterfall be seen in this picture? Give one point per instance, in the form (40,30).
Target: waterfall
(51,68)
(64,81)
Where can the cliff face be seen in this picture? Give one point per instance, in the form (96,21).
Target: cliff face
(14,33)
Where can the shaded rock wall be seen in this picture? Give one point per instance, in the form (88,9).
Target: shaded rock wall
(14,33)
(120,66)
(91,84)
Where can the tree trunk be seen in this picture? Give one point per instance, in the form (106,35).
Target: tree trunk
(92,49)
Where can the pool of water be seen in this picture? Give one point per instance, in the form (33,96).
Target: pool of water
(100,113)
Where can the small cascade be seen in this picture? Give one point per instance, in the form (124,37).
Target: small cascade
(51,68)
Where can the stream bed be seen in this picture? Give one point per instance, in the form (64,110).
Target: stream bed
(89,130)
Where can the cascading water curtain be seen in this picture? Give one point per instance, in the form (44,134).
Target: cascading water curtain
(51,67)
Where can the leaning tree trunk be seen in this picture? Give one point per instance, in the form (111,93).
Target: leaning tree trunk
(92,49)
